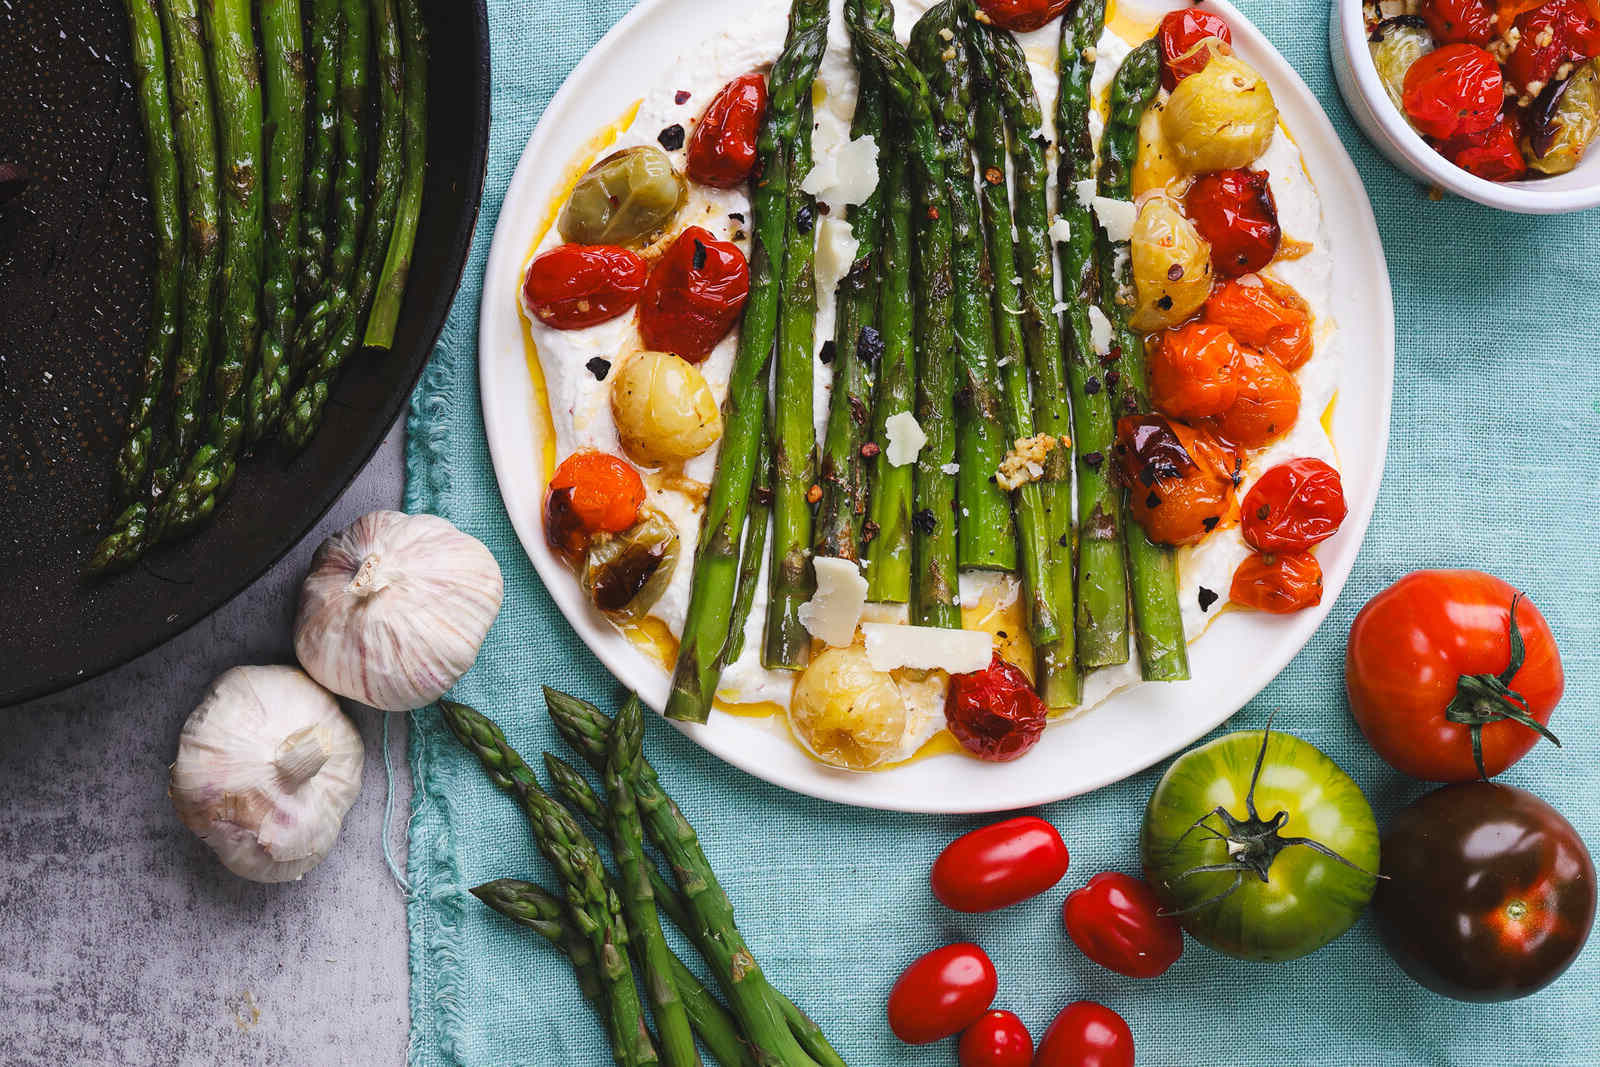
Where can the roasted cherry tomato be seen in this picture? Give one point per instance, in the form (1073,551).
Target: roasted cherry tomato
(1193,371)
(1489,894)
(591,493)
(694,295)
(994,713)
(1452,90)
(1492,154)
(1549,37)
(1086,1034)
(1459,21)
(1266,407)
(1235,212)
(1432,663)
(1179,39)
(942,993)
(1179,479)
(1022,15)
(1293,506)
(722,151)
(1116,920)
(1266,315)
(573,286)
(1280,583)
(999,865)
(998,1039)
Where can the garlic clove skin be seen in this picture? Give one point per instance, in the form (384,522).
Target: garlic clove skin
(395,608)
(268,765)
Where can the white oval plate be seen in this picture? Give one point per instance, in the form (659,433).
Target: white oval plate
(1233,661)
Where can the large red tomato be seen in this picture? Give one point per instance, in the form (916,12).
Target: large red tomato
(1452,675)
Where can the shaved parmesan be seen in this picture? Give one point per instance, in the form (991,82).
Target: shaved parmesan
(832,613)
(1086,190)
(836,253)
(846,171)
(1116,216)
(1061,231)
(927,648)
(905,438)
(1099,331)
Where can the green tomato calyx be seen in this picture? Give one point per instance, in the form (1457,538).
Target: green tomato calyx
(1486,698)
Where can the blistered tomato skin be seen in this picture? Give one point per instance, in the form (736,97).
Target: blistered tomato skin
(942,993)
(994,713)
(1492,154)
(1297,504)
(1180,33)
(1116,921)
(1453,90)
(1193,371)
(998,1039)
(574,286)
(999,865)
(591,493)
(1179,479)
(1459,21)
(1235,212)
(1266,407)
(1086,1034)
(1278,583)
(1021,16)
(1267,316)
(1549,37)
(694,295)
(722,151)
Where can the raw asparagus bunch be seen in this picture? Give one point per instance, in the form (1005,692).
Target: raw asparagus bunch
(1102,622)
(705,629)
(1152,568)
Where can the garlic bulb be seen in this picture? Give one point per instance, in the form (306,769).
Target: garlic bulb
(395,609)
(267,767)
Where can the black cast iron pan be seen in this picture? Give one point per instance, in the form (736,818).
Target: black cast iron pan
(74,292)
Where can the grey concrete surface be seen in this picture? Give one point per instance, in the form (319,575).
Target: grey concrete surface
(122,939)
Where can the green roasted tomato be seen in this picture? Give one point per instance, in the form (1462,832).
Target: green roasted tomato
(625,199)
(1396,44)
(626,573)
(1260,845)
(1562,122)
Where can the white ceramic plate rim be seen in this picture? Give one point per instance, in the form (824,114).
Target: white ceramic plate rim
(1128,733)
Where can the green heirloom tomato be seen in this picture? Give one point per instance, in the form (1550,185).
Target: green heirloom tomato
(1260,845)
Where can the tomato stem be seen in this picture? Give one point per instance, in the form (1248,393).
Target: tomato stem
(1484,698)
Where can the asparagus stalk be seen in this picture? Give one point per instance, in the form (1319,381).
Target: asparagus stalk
(132,467)
(789,578)
(1102,623)
(755,550)
(984,536)
(592,904)
(889,547)
(324,35)
(705,628)
(1152,568)
(842,472)
(397,266)
(935,593)
(1006,69)
(1033,522)
(283,65)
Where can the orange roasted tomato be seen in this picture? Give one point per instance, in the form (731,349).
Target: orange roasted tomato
(592,492)
(1180,480)
(1266,407)
(1179,41)
(1194,371)
(1453,90)
(1022,15)
(1266,315)
(1236,214)
(694,295)
(1279,582)
(573,286)
(722,152)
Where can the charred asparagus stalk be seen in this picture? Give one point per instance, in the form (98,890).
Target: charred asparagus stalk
(324,36)
(397,265)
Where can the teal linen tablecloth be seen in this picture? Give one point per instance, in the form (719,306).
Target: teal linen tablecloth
(1494,462)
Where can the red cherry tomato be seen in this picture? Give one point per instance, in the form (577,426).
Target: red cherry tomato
(994,713)
(1022,15)
(591,493)
(1280,583)
(1181,31)
(1549,37)
(942,993)
(1235,212)
(1452,90)
(1421,670)
(1266,315)
(573,286)
(1086,1034)
(694,295)
(999,865)
(1293,506)
(1116,921)
(722,151)
(1194,371)
(1493,154)
(997,1040)
(1459,21)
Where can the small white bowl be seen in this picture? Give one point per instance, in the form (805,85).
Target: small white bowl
(1392,132)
